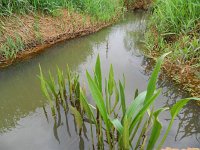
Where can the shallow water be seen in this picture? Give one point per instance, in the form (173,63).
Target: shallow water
(23,124)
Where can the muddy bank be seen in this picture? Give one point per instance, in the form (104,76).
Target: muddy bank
(49,30)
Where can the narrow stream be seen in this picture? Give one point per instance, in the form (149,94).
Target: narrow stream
(23,125)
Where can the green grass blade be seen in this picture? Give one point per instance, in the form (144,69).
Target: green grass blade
(117,124)
(156,129)
(111,81)
(136,105)
(126,135)
(98,98)
(86,107)
(144,109)
(98,76)
(152,82)
(122,98)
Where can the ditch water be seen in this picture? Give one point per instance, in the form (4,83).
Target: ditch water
(23,125)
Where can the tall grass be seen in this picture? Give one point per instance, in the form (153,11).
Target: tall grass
(102,9)
(174,26)
(116,121)
(175,16)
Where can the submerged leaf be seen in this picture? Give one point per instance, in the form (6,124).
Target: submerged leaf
(77,116)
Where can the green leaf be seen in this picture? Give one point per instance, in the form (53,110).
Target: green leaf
(116,98)
(117,124)
(43,85)
(144,109)
(86,107)
(52,85)
(156,129)
(125,135)
(98,76)
(122,97)
(154,76)
(136,105)
(98,99)
(111,81)
(77,116)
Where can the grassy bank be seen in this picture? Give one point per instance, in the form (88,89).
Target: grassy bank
(27,26)
(175,26)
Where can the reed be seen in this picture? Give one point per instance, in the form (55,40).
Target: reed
(116,122)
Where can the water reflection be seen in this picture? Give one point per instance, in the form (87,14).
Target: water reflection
(189,117)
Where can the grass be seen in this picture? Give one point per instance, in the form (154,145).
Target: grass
(174,26)
(101,9)
(119,124)
(11,47)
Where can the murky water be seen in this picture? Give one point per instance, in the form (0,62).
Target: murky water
(23,124)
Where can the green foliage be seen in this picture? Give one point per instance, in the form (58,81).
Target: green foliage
(174,27)
(174,16)
(101,9)
(116,122)
(11,47)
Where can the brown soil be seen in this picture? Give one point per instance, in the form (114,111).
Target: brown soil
(138,4)
(185,76)
(42,31)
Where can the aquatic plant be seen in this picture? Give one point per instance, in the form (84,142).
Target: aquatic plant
(116,122)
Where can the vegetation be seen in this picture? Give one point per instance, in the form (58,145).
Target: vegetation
(11,47)
(99,11)
(174,26)
(102,9)
(115,121)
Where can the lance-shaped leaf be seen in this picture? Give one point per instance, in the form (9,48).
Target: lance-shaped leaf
(86,107)
(156,129)
(117,124)
(154,76)
(122,98)
(143,110)
(98,76)
(98,99)
(111,81)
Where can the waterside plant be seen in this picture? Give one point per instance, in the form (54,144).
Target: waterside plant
(117,123)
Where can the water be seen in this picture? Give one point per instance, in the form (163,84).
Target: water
(23,124)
